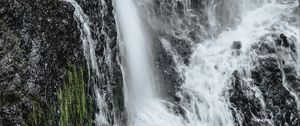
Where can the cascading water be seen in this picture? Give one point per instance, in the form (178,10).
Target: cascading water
(143,106)
(88,45)
(150,62)
(136,49)
(208,78)
(212,65)
(204,98)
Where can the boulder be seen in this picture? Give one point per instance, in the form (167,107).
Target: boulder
(236,45)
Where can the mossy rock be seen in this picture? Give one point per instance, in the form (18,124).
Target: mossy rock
(76,106)
(41,114)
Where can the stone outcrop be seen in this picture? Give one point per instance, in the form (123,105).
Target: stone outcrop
(269,97)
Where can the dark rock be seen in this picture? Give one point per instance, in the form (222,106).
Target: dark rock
(104,32)
(280,104)
(165,67)
(180,8)
(38,41)
(236,45)
(268,77)
(263,48)
(284,40)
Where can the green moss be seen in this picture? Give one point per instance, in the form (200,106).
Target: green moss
(41,114)
(74,102)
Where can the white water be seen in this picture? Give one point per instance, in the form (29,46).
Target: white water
(143,107)
(136,49)
(212,65)
(207,78)
(88,45)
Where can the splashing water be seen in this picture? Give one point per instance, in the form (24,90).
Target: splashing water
(203,94)
(212,65)
(88,45)
(207,78)
(143,107)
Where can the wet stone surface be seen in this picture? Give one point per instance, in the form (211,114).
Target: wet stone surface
(39,39)
(268,98)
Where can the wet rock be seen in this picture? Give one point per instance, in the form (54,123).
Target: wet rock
(285,42)
(267,88)
(263,48)
(180,8)
(165,67)
(243,100)
(178,19)
(282,41)
(103,29)
(38,41)
(182,47)
(236,45)
(280,104)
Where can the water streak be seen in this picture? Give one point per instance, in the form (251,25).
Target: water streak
(88,45)
(143,107)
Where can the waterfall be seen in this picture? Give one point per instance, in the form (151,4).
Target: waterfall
(150,62)
(142,103)
(136,49)
(212,65)
(204,95)
(88,45)
(223,54)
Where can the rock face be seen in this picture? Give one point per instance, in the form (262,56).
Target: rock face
(269,98)
(38,39)
(39,42)
(103,28)
(236,45)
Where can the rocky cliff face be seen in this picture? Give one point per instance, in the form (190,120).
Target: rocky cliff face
(38,39)
(103,28)
(268,94)
(41,56)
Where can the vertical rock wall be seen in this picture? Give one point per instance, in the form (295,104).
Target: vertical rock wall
(39,44)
